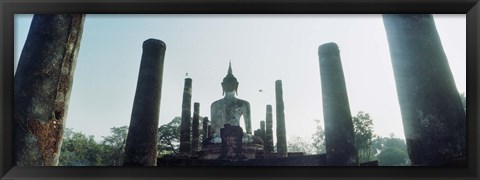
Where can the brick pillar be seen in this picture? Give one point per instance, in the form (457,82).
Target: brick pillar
(262,130)
(185,146)
(339,135)
(434,121)
(281,131)
(195,128)
(205,128)
(42,86)
(141,145)
(269,131)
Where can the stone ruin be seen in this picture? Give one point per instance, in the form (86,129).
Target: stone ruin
(225,139)
(433,117)
(226,143)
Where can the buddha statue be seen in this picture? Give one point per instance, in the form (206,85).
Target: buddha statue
(229,109)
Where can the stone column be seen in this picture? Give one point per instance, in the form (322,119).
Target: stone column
(281,132)
(432,113)
(141,145)
(205,128)
(210,131)
(185,147)
(269,131)
(262,130)
(257,133)
(195,130)
(339,134)
(42,87)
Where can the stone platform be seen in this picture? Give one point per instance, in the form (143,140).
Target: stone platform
(305,160)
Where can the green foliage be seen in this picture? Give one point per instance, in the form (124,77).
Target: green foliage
(394,142)
(299,144)
(114,146)
(169,137)
(392,157)
(363,129)
(79,150)
(390,151)
(318,138)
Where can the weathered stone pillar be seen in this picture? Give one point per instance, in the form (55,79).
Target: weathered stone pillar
(432,113)
(141,145)
(281,132)
(269,131)
(210,131)
(205,128)
(185,146)
(257,133)
(339,134)
(262,131)
(195,130)
(42,86)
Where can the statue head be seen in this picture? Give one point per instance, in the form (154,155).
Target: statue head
(229,83)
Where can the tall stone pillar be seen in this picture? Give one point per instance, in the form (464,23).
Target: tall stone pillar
(185,146)
(205,128)
(269,131)
(262,130)
(42,86)
(433,117)
(257,133)
(210,131)
(339,134)
(281,132)
(141,145)
(195,128)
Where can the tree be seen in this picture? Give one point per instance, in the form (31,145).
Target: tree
(392,157)
(114,146)
(395,142)
(169,137)
(390,151)
(318,138)
(377,145)
(363,129)
(79,150)
(299,144)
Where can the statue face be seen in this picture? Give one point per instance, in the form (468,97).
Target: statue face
(229,86)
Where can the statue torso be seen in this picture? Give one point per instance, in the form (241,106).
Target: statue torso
(227,111)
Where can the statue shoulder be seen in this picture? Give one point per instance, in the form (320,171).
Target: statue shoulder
(243,102)
(217,102)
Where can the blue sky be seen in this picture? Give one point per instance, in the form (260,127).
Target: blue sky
(262,49)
